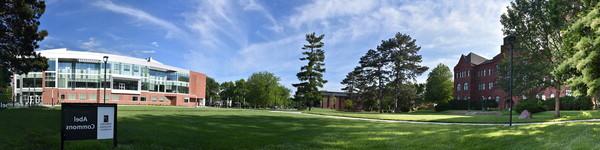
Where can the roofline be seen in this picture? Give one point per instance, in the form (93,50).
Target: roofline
(96,56)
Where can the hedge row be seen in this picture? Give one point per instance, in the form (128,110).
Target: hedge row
(466,105)
(566,103)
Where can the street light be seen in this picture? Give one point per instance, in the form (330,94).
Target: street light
(511,40)
(105,58)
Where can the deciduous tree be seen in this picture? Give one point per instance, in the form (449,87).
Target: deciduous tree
(439,86)
(537,25)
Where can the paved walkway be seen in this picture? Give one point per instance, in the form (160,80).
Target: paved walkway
(438,123)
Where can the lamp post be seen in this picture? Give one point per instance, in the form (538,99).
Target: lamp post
(105,58)
(511,39)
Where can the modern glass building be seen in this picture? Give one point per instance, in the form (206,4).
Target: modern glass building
(79,77)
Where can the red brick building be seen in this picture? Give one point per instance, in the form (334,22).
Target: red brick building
(334,100)
(476,78)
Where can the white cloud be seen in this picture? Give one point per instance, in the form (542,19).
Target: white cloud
(172,29)
(218,43)
(322,10)
(252,5)
(147,51)
(216,25)
(444,29)
(155,44)
(90,44)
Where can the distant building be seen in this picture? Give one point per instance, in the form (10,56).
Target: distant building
(78,77)
(334,100)
(476,78)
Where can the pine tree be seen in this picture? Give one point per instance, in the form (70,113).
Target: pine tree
(311,75)
(373,64)
(19,36)
(402,54)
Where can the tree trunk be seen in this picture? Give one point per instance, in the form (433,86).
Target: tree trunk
(594,102)
(557,102)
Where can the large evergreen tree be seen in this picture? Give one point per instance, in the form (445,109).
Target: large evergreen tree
(311,75)
(402,54)
(373,65)
(439,85)
(19,36)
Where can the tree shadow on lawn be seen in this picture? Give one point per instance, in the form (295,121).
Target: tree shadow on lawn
(283,131)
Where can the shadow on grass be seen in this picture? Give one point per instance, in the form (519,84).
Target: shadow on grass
(38,129)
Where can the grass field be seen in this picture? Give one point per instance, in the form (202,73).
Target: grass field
(449,116)
(209,128)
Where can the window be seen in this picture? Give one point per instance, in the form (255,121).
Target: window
(458,87)
(466,86)
(125,84)
(543,97)
(143,99)
(154,99)
(92,96)
(134,98)
(126,67)
(568,93)
(468,73)
(483,86)
(186,100)
(497,99)
(489,98)
(552,95)
(490,71)
(51,65)
(62,96)
(490,85)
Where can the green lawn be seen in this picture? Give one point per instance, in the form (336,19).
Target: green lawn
(450,116)
(191,128)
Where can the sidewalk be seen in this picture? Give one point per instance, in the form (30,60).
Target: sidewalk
(440,123)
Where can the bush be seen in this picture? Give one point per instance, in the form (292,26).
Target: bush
(466,105)
(571,103)
(348,105)
(531,105)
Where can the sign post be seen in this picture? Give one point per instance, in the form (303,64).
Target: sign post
(84,121)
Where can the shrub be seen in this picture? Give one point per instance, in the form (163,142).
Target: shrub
(571,103)
(348,105)
(531,105)
(466,105)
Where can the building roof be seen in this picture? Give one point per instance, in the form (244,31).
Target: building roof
(331,93)
(474,58)
(97,57)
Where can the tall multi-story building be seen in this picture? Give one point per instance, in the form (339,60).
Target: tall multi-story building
(78,77)
(476,78)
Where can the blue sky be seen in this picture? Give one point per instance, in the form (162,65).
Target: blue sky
(231,39)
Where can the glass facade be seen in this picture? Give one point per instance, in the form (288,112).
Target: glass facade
(86,74)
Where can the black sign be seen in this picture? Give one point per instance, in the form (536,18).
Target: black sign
(81,121)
